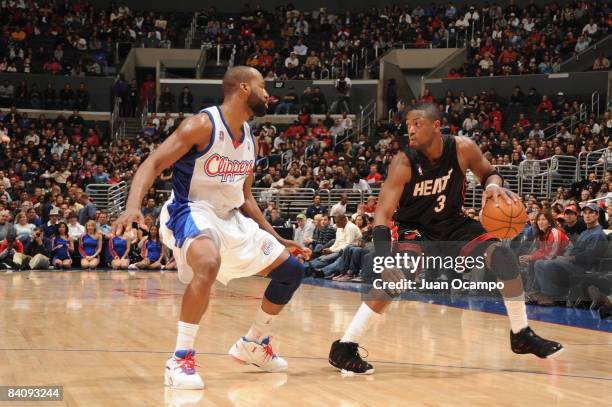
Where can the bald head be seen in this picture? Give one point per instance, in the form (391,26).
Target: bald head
(237,75)
(245,88)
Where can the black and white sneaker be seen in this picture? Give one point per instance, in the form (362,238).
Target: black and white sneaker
(345,357)
(527,341)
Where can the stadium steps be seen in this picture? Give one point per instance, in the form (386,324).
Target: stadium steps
(133,126)
(214,71)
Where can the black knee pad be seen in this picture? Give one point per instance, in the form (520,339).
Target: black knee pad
(286,279)
(504,263)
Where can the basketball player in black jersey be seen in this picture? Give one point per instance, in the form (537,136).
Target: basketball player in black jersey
(424,189)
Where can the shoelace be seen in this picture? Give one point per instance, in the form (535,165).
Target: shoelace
(359,354)
(269,352)
(188,363)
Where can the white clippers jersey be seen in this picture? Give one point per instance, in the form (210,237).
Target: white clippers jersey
(215,177)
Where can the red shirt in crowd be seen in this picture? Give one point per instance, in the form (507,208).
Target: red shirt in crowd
(375,178)
(93,140)
(295,130)
(545,105)
(263,147)
(17,245)
(553,244)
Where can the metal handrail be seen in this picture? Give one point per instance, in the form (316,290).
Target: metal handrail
(367,118)
(115,115)
(191,32)
(595,102)
(144,114)
(573,121)
(590,48)
(201,65)
(109,198)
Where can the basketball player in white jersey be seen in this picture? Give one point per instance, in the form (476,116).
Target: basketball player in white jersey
(214,225)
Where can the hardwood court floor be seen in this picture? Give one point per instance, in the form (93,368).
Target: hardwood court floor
(105,338)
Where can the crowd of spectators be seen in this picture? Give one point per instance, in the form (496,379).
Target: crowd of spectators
(533,39)
(47,164)
(46,214)
(502,40)
(75,38)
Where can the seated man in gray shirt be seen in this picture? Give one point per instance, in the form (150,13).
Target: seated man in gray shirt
(5,225)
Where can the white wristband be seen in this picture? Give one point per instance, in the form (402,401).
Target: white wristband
(490,185)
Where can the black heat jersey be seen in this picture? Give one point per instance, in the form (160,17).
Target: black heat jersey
(432,201)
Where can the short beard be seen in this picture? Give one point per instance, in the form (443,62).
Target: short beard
(258,106)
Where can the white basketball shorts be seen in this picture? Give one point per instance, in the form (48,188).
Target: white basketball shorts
(245,249)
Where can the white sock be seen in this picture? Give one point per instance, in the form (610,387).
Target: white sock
(261,326)
(186,335)
(362,320)
(517,312)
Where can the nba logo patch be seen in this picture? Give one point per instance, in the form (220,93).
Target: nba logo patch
(221,135)
(266,247)
(420,170)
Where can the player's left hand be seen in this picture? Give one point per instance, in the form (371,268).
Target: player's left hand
(496,192)
(296,248)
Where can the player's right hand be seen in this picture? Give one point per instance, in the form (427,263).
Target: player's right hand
(125,221)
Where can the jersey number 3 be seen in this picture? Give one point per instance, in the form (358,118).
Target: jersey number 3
(441,202)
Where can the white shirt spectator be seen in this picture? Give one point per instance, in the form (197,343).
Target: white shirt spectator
(590,29)
(468,124)
(33,137)
(514,20)
(462,23)
(301,28)
(338,209)
(405,17)
(294,61)
(566,135)
(82,44)
(596,129)
(75,231)
(300,49)
(581,44)
(472,15)
(277,142)
(59,148)
(536,133)
(346,122)
(304,234)
(362,185)
(345,236)
(486,63)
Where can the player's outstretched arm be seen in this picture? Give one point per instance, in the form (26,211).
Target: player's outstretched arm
(470,157)
(193,131)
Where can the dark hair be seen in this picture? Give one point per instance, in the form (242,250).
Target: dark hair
(541,234)
(65,226)
(432,112)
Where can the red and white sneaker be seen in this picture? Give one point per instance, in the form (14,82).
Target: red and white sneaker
(259,354)
(180,371)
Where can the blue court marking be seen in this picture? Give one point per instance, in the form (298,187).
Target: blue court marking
(579,318)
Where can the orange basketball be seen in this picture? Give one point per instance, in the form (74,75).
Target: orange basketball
(505,221)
